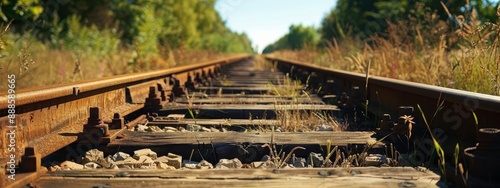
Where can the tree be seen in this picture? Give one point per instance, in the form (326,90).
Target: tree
(361,18)
(298,37)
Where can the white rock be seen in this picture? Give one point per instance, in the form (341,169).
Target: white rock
(375,160)
(171,160)
(193,127)
(92,165)
(55,168)
(204,129)
(189,166)
(204,165)
(141,128)
(317,159)
(325,128)
(170,129)
(160,165)
(214,130)
(114,166)
(120,156)
(93,155)
(299,162)
(144,152)
(145,160)
(128,163)
(263,164)
(152,167)
(126,167)
(226,163)
(69,165)
(154,129)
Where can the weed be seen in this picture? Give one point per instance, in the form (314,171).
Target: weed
(278,161)
(439,150)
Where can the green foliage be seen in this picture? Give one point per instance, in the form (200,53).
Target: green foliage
(143,25)
(89,40)
(439,150)
(226,42)
(298,37)
(363,19)
(20,9)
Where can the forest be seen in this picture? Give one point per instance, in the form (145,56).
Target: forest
(449,43)
(71,40)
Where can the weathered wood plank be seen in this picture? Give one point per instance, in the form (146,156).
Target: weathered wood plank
(167,138)
(242,100)
(306,177)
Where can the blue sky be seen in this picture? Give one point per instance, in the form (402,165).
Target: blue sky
(265,21)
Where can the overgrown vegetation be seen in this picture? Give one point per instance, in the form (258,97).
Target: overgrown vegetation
(450,44)
(50,42)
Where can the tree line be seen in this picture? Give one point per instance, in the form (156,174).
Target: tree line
(147,25)
(361,19)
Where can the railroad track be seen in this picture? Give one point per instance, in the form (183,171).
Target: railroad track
(258,123)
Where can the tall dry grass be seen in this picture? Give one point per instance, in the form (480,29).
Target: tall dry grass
(38,64)
(421,49)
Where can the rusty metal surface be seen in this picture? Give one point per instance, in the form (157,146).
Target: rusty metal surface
(29,96)
(49,118)
(59,116)
(454,123)
(487,102)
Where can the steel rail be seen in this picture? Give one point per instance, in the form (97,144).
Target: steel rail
(49,118)
(454,123)
(29,96)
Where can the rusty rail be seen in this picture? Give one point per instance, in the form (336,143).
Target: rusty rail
(454,123)
(50,118)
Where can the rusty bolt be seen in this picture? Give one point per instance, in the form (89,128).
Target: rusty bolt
(163,88)
(327,88)
(313,81)
(304,77)
(118,122)
(198,79)
(94,117)
(94,122)
(31,161)
(204,74)
(482,160)
(386,123)
(152,92)
(405,110)
(189,82)
(153,101)
(177,89)
(210,73)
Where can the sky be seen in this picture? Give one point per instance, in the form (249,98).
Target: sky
(265,21)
